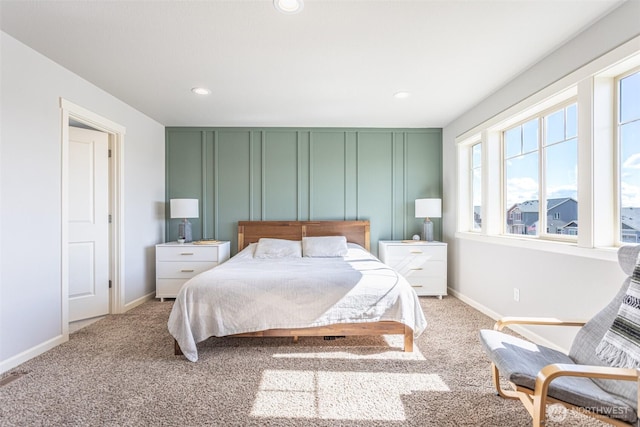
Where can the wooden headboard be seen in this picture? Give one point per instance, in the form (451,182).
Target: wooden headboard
(251,231)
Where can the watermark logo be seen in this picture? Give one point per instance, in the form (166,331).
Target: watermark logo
(556,412)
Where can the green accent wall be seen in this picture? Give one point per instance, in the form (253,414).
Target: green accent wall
(303,174)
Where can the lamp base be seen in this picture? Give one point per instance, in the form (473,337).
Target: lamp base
(427,230)
(184,231)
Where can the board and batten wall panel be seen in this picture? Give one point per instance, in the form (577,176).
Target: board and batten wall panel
(280,185)
(233,185)
(303,174)
(327,176)
(185,178)
(375,180)
(423,179)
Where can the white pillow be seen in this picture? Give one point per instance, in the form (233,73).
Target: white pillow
(247,252)
(277,248)
(324,246)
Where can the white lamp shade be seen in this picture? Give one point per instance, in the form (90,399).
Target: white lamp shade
(428,208)
(184,208)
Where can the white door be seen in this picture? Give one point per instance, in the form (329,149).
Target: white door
(88,223)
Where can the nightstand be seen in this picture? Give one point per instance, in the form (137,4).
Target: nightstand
(423,264)
(178,262)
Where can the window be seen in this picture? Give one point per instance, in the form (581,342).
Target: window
(542,147)
(561,166)
(526,160)
(476,186)
(521,176)
(629,156)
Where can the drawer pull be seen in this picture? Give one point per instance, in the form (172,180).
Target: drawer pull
(416,252)
(416,286)
(416,268)
(186,271)
(186,253)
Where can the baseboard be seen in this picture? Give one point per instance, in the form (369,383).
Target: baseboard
(139,301)
(26,355)
(481,308)
(525,332)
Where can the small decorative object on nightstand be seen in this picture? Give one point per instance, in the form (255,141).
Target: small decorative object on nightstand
(178,262)
(423,264)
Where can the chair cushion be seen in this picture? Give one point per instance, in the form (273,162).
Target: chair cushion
(583,349)
(520,361)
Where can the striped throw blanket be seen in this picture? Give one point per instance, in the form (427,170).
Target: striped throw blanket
(620,346)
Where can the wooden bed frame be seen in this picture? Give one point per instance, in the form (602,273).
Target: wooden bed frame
(355,232)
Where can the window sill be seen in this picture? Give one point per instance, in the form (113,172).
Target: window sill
(554,246)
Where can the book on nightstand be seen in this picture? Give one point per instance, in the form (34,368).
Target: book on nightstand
(206,242)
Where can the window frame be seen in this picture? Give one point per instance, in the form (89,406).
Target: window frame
(618,153)
(472,214)
(593,86)
(542,231)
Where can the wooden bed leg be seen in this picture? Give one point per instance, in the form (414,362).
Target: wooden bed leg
(176,348)
(408,339)
(295,338)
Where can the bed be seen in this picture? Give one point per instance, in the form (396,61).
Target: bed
(282,296)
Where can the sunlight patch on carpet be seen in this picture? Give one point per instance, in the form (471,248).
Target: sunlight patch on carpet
(339,395)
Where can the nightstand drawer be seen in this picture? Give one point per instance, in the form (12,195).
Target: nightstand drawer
(432,253)
(169,288)
(431,286)
(182,270)
(423,264)
(186,253)
(424,271)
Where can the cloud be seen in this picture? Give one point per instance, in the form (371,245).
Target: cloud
(630,196)
(568,190)
(633,162)
(521,189)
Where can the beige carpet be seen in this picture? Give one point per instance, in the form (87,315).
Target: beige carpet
(121,371)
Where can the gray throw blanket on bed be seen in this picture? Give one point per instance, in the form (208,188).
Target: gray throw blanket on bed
(620,346)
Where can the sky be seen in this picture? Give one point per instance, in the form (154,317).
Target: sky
(630,141)
(560,151)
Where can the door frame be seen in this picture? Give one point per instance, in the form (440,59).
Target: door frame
(116,134)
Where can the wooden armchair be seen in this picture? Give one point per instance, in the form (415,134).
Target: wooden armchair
(580,380)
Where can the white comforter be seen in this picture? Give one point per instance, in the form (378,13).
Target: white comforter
(247,295)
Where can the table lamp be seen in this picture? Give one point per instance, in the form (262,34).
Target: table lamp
(184,208)
(428,208)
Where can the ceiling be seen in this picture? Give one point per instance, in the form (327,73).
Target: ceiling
(336,64)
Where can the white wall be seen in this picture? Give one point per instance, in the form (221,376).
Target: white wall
(551,284)
(30,191)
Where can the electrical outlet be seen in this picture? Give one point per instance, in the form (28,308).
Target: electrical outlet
(516,294)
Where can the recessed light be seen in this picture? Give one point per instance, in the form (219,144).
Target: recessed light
(200,90)
(401,95)
(288,6)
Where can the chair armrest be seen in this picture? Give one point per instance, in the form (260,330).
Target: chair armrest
(550,321)
(551,372)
